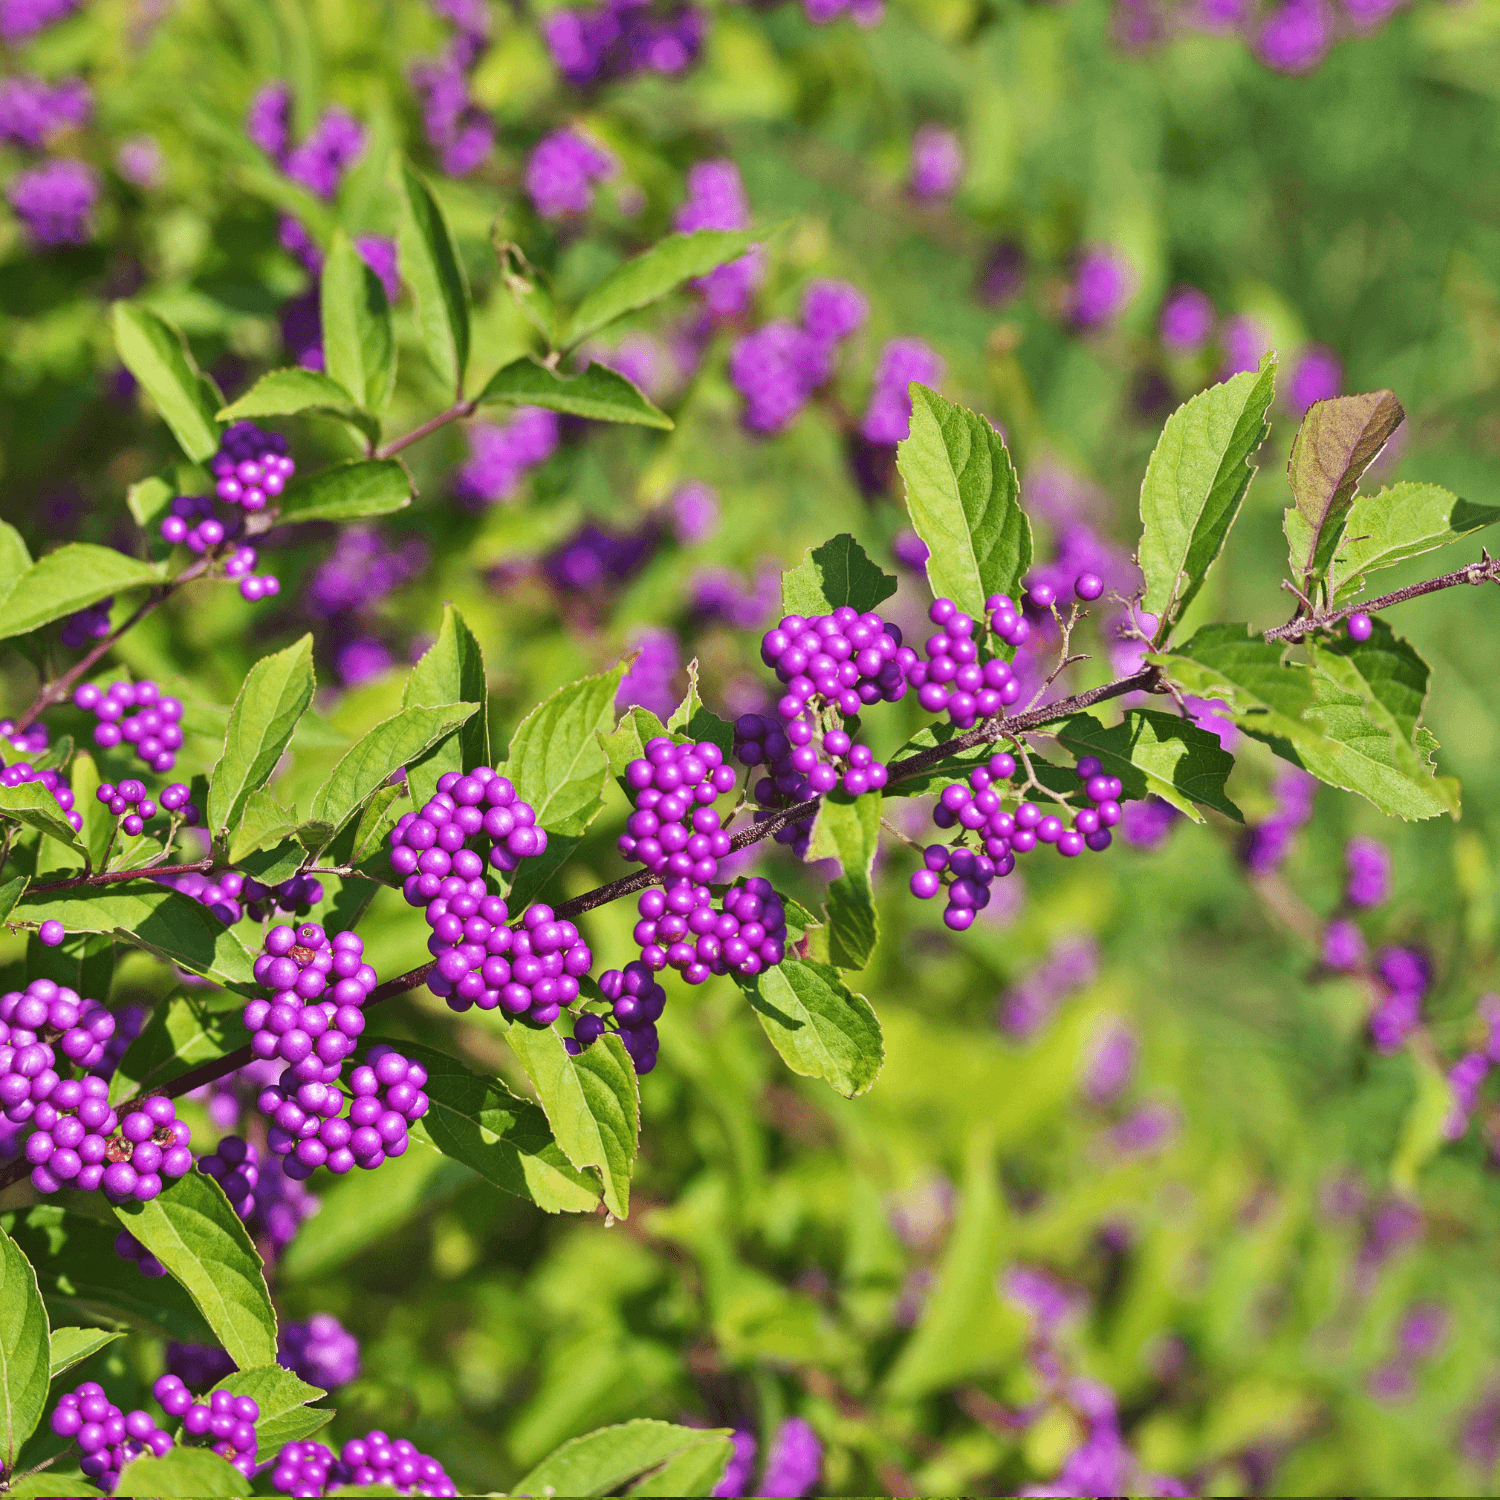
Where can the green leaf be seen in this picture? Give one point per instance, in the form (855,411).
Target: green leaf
(70,579)
(265,822)
(186,399)
(183,1033)
(532,291)
(450,671)
(1157,755)
(555,758)
(839,572)
(148,501)
(848,829)
(79,1273)
(97,822)
(592,1102)
(1422,1131)
(32,804)
(506,1140)
(1195,484)
(71,1346)
(697,1469)
(359,348)
(390,745)
(430,266)
(24,1345)
(820,1028)
(49,1485)
(954,769)
(183,1471)
(600,1462)
(690,720)
(1230,662)
(1337,441)
(275,695)
(599,393)
(650,276)
(375,821)
(15,559)
(153,917)
(273,865)
(349,491)
(628,740)
(1399,523)
(286,392)
(10,893)
(285,1415)
(191,1229)
(963,495)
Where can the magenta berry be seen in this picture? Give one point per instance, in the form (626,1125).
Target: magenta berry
(1361,627)
(1088,587)
(51,933)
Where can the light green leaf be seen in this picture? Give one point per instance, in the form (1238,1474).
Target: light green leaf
(1337,441)
(97,822)
(963,495)
(691,721)
(592,1102)
(286,392)
(191,1229)
(481,1123)
(50,1484)
(532,291)
(195,1472)
(186,399)
(265,822)
(390,745)
(450,671)
(1422,1131)
(600,1462)
(628,740)
(820,1028)
(651,275)
(1399,523)
(359,348)
(285,1415)
(348,492)
(431,267)
(15,559)
(32,804)
(1247,672)
(839,572)
(1195,484)
(599,393)
(10,893)
(1157,755)
(182,1034)
(148,501)
(848,829)
(67,580)
(71,1346)
(697,1469)
(274,696)
(24,1349)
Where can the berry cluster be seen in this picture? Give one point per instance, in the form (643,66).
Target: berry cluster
(953,680)
(271,1204)
(79,1140)
(107,1438)
(251,467)
(845,660)
(30,741)
(674,830)
(531,971)
(135,809)
(759,739)
(23,771)
(155,732)
(192,522)
(235,1165)
(320,1351)
(228,1419)
(680,928)
(85,625)
(127,1247)
(429,845)
(308,1468)
(230,895)
(35,1025)
(637,1002)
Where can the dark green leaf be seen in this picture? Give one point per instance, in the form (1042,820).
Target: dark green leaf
(963,495)
(273,865)
(598,393)
(839,572)
(71,1346)
(274,696)
(347,492)
(183,1471)
(23,1350)
(600,1462)
(1337,441)
(848,829)
(430,266)
(651,275)
(191,1229)
(369,764)
(181,1034)
(154,352)
(690,720)
(1195,484)
(265,822)
(946,772)
(70,579)
(451,671)
(285,1415)
(1399,523)
(1248,673)
(820,1028)
(32,804)
(286,392)
(592,1102)
(1157,754)
(359,348)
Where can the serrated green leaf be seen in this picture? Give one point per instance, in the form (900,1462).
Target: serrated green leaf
(1397,524)
(71,1346)
(389,746)
(1338,440)
(963,496)
(592,1103)
(359,347)
(193,1472)
(602,1461)
(531,290)
(599,393)
(1194,486)
(837,573)
(264,822)
(628,740)
(348,492)
(285,1413)
(848,829)
(450,671)
(32,804)
(191,1229)
(431,267)
(820,1027)
(70,579)
(651,275)
(691,720)
(1157,755)
(183,1033)
(287,392)
(24,1350)
(274,696)
(1248,673)
(696,1469)
(186,399)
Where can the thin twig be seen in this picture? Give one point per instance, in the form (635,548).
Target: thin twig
(455,413)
